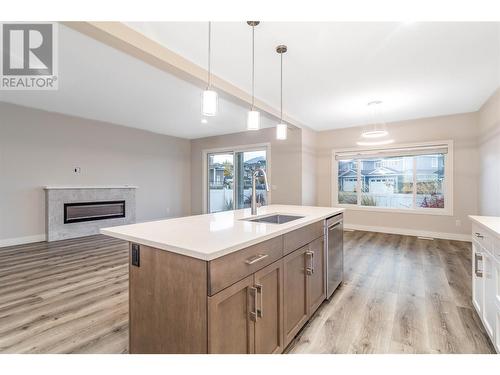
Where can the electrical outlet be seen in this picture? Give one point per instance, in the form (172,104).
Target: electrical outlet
(458,223)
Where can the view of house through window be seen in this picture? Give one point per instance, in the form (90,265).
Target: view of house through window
(230,179)
(400,182)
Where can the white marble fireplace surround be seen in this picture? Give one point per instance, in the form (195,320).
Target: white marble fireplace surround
(57,196)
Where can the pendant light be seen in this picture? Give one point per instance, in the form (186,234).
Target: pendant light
(209,99)
(281,128)
(378,128)
(376,133)
(253,117)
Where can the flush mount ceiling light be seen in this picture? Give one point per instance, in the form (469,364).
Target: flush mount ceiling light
(209,97)
(281,128)
(374,134)
(253,117)
(378,128)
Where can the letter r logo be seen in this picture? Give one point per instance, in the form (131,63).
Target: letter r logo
(27,49)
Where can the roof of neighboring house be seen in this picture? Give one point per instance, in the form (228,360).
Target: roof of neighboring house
(255,160)
(380,171)
(217,166)
(348,173)
(384,171)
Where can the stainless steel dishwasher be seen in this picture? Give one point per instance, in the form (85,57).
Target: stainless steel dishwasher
(334,252)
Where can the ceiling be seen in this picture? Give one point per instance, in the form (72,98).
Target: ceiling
(101,83)
(331,71)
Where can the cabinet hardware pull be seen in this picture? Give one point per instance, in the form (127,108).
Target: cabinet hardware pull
(256,258)
(253,313)
(310,268)
(478,235)
(478,257)
(260,310)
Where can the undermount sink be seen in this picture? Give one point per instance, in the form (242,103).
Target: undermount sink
(274,219)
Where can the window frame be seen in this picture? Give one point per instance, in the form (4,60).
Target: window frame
(448,181)
(233,150)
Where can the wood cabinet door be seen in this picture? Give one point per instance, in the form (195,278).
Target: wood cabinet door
(231,314)
(269,325)
(295,311)
(315,269)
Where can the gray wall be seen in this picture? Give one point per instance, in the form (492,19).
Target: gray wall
(286,162)
(40,148)
(462,129)
(489,152)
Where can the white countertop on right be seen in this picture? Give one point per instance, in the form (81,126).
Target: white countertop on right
(489,222)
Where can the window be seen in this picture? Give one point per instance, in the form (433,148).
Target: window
(412,178)
(229,174)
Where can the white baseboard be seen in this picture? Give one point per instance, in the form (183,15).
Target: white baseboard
(411,232)
(22,240)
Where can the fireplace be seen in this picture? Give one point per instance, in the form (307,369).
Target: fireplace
(78,211)
(90,211)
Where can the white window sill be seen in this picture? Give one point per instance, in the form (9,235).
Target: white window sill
(418,211)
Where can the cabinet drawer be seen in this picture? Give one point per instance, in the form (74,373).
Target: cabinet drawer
(482,236)
(302,236)
(233,267)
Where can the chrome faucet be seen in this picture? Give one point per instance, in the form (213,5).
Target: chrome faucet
(255,176)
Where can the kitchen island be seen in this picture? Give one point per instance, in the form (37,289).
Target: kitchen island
(225,283)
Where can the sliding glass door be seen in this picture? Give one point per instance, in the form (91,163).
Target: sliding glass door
(220,182)
(230,179)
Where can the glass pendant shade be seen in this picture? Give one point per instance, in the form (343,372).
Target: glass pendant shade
(253,120)
(281,131)
(209,103)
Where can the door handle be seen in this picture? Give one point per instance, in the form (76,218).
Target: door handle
(253,313)
(260,309)
(310,268)
(478,257)
(478,235)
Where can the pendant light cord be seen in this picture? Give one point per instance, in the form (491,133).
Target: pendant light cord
(209,52)
(281,89)
(253,65)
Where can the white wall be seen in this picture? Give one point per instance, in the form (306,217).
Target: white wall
(309,170)
(40,148)
(462,129)
(489,152)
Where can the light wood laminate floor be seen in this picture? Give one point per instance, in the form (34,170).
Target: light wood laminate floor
(400,295)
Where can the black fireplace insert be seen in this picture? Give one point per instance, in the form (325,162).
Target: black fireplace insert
(90,211)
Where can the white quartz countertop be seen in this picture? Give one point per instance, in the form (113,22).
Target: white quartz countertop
(489,222)
(211,236)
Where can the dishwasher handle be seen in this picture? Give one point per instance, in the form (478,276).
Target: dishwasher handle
(337,219)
